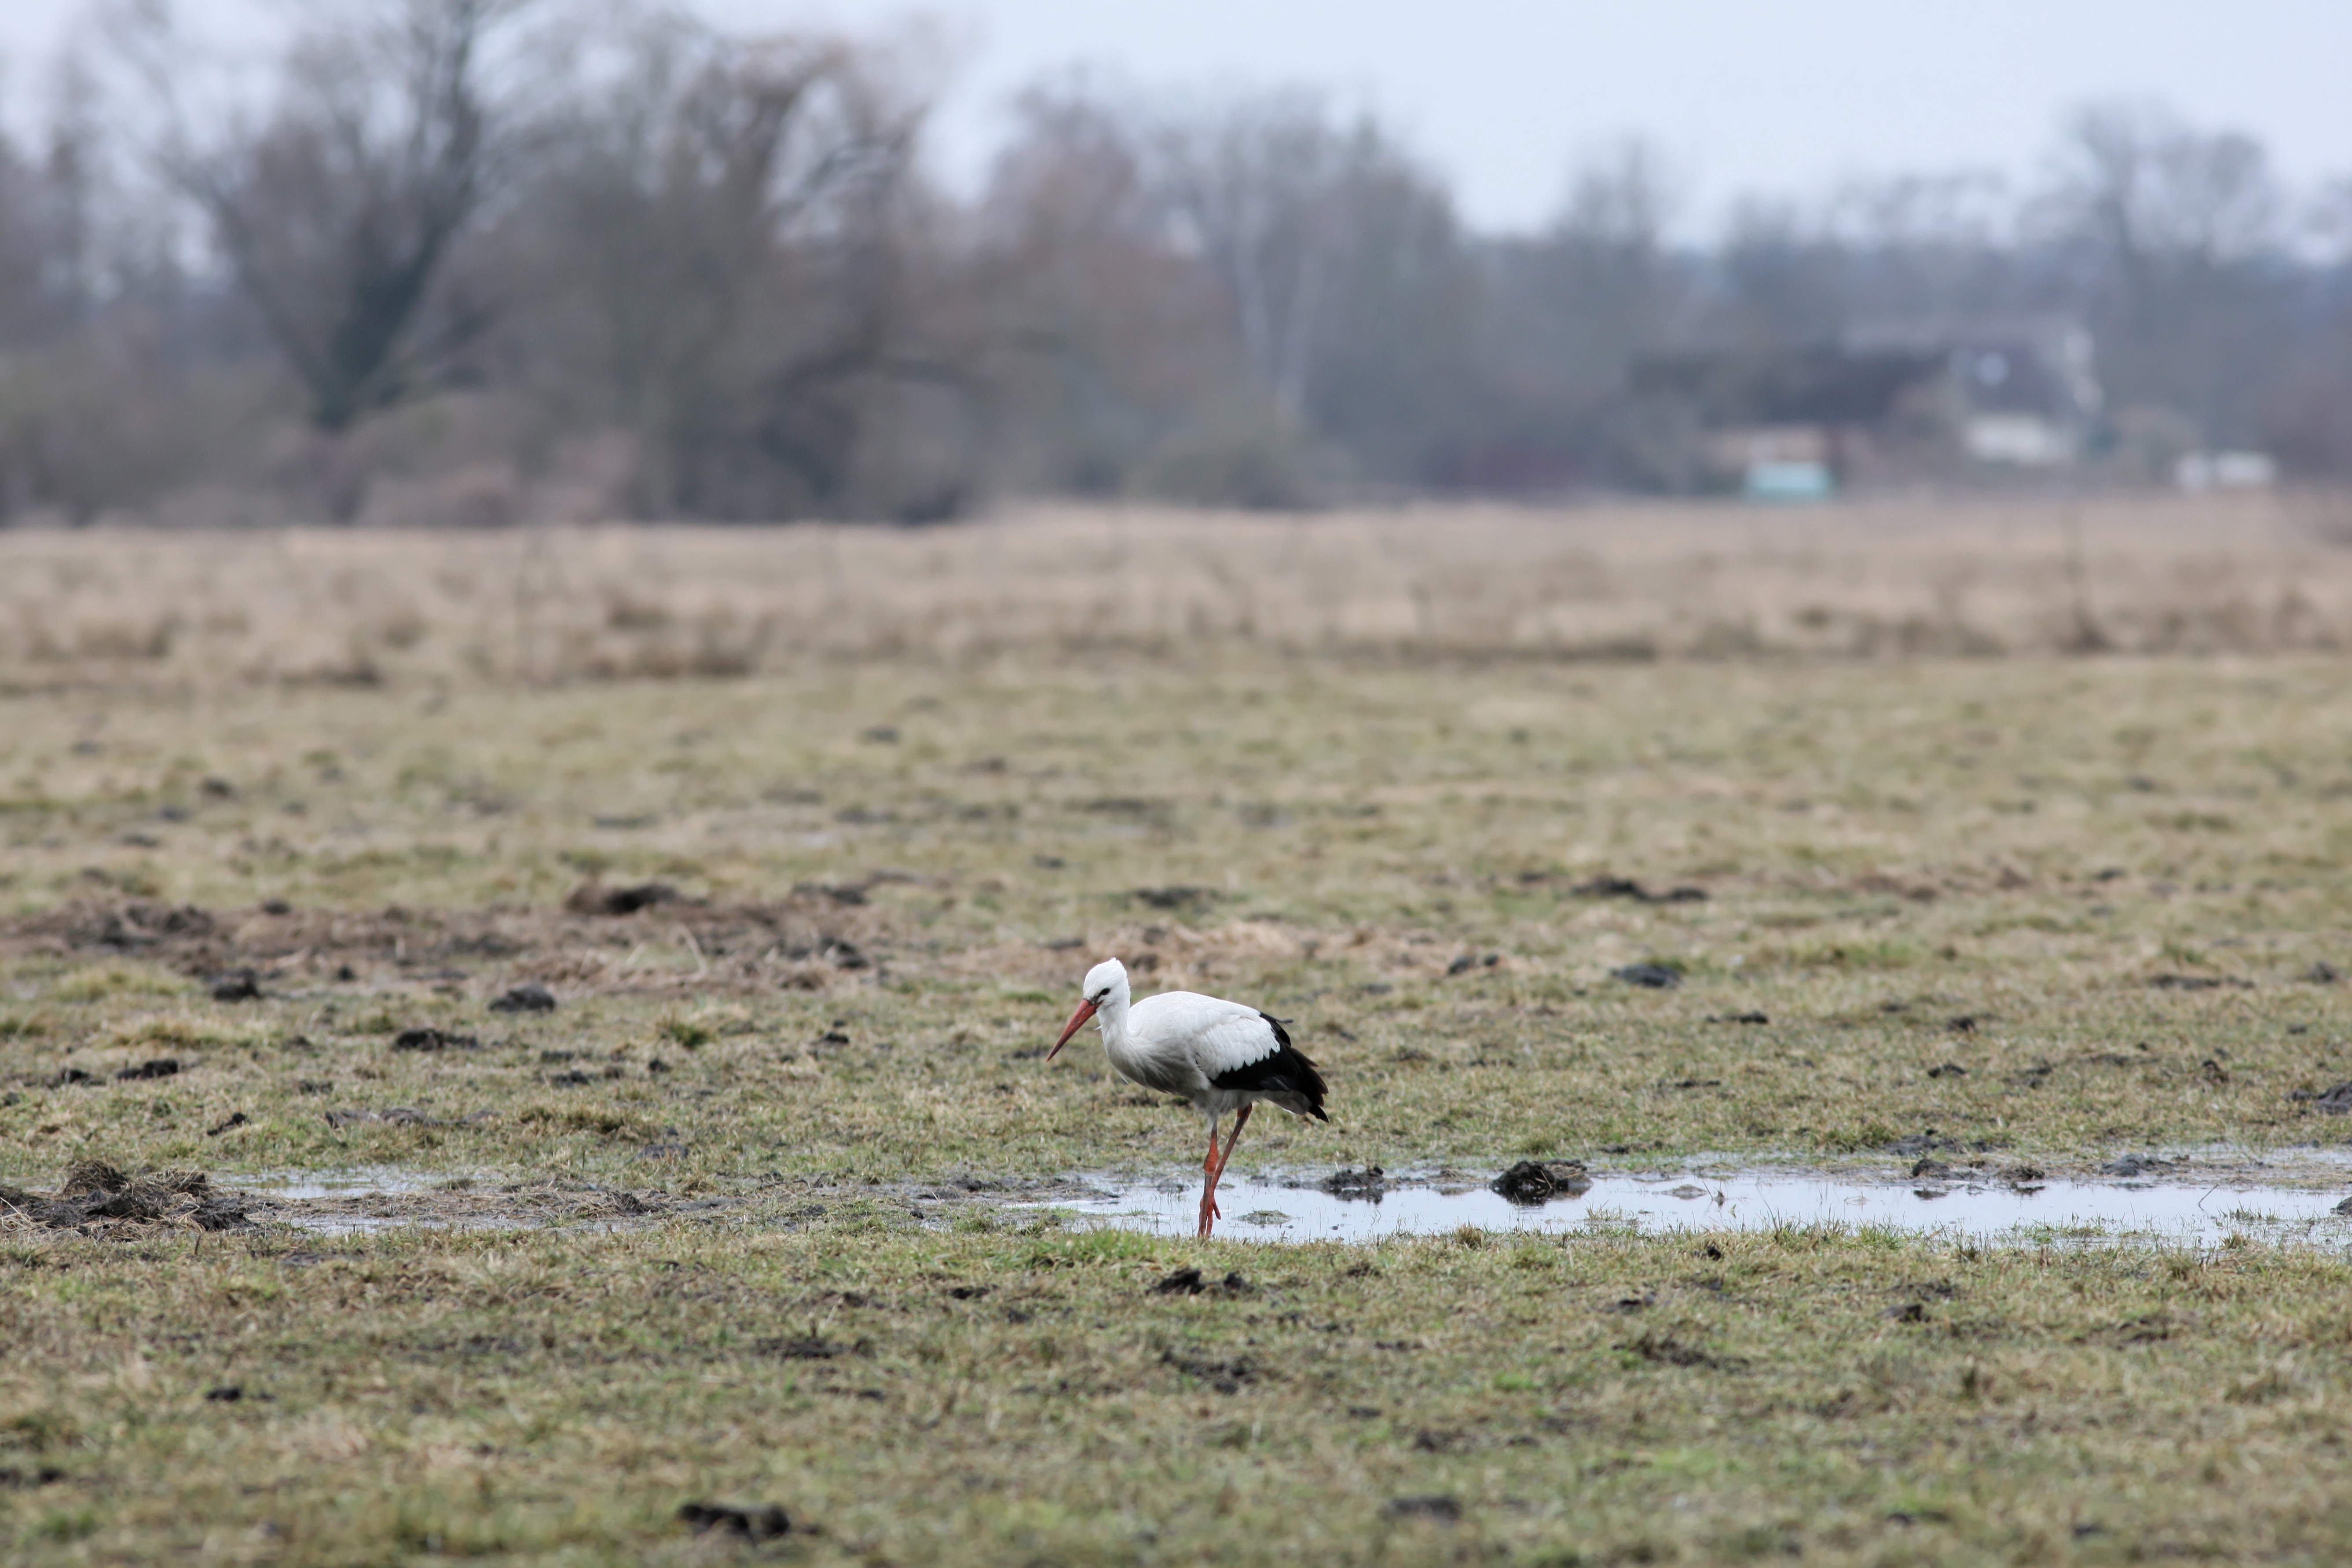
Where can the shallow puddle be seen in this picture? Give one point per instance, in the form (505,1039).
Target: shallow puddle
(2200,1212)
(370,1198)
(360,1181)
(2177,1209)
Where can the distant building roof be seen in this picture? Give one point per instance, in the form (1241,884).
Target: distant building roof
(1994,379)
(2039,367)
(1823,385)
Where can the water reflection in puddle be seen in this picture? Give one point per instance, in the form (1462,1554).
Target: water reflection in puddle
(2057,1210)
(359,1201)
(360,1182)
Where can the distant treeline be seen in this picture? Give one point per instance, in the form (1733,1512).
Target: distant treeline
(477,261)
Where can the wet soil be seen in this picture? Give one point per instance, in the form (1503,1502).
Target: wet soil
(535,954)
(366,1201)
(98,1200)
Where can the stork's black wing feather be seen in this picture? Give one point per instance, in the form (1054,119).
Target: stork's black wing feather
(1285,1070)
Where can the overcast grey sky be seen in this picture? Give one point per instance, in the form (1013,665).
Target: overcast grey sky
(1788,97)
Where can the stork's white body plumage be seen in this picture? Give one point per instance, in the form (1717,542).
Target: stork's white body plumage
(1223,1057)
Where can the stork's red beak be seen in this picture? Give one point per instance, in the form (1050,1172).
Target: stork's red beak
(1085,1010)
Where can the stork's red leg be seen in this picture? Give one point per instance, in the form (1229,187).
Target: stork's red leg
(1241,1119)
(1216,1168)
(1210,1171)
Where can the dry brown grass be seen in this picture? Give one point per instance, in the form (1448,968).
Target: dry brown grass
(2259,575)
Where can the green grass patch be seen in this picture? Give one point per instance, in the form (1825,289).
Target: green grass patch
(991,1398)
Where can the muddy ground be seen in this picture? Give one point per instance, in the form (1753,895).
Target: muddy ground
(242,954)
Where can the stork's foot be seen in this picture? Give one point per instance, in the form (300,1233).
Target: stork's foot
(1209,1213)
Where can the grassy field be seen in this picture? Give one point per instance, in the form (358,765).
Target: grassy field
(809,932)
(2123,875)
(1008,1397)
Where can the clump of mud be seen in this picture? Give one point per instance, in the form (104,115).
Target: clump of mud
(529,997)
(1537,1182)
(592,898)
(97,1194)
(1189,1282)
(1368,1183)
(768,1523)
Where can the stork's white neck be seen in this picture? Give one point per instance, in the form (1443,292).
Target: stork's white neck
(1134,1055)
(1111,1019)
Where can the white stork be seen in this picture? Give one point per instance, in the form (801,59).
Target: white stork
(1221,1055)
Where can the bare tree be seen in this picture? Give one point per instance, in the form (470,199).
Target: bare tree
(339,210)
(48,245)
(1566,311)
(2145,185)
(1925,252)
(1621,197)
(2328,220)
(1604,285)
(1259,186)
(107,395)
(1394,367)
(1352,301)
(731,225)
(1111,334)
(2171,228)
(1781,276)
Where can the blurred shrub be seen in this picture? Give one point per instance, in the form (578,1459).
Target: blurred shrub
(1244,455)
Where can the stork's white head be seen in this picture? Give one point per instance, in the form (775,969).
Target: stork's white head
(1103,986)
